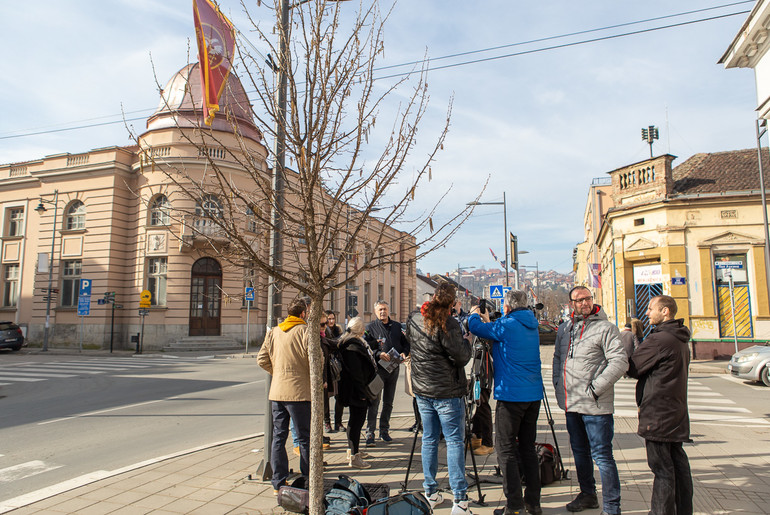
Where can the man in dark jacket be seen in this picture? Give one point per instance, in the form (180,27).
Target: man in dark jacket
(382,335)
(661,364)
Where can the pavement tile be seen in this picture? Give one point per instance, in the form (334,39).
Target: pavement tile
(155,501)
(100,494)
(131,510)
(211,509)
(99,508)
(233,498)
(74,505)
(183,506)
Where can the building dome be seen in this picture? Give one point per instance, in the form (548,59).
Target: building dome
(181,105)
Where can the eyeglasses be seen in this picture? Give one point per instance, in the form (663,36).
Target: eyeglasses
(582,299)
(323,324)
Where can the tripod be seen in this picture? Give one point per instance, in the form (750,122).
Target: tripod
(549,417)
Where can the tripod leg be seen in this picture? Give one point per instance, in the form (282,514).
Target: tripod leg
(411,457)
(468,447)
(549,417)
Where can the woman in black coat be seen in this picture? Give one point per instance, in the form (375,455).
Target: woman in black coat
(358,370)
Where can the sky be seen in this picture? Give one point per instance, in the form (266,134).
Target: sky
(538,117)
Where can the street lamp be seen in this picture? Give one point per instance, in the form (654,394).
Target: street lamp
(505,228)
(41,209)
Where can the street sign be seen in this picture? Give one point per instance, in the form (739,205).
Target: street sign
(118,306)
(678,281)
(506,289)
(249,293)
(101,301)
(85,287)
(84,305)
(728,265)
(144,299)
(495,291)
(144,312)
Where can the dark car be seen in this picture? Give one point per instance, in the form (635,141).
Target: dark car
(547,334)
(11,336)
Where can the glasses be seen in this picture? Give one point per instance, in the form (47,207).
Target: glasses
(323,324)
(582,299)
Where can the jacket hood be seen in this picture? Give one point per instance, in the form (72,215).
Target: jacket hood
(290,322)
(676,328)
(525,317)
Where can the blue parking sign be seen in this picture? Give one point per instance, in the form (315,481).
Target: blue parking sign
(85,287)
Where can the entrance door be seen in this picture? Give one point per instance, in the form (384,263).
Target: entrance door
(734,265)
(647,284)
(205,298)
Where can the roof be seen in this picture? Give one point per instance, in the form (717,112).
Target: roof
(718,172)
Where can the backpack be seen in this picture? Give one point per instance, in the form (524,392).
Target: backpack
(548,458)
(406,503)
(346,496)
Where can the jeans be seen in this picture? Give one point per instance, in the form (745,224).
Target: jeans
(518,420)
(447,416)
(672,486)
(299,413)
(590,437)
(386,395)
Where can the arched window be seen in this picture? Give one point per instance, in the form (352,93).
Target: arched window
(160,209)
(75,216)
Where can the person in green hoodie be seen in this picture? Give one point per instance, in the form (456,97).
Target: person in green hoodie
(284,355)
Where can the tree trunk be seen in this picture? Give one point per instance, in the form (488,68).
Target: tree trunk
(317,408)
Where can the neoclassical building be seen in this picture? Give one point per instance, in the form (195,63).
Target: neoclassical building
(112,216)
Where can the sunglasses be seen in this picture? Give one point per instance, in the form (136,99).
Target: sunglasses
(323,324)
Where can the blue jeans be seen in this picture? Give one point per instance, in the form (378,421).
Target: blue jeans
(447,416)
(299,413)
(590,437)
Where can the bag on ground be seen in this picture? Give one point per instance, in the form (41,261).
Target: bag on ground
(406,503)
(548,458)
(346,496)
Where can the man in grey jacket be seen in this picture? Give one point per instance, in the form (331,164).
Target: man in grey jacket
(588,360)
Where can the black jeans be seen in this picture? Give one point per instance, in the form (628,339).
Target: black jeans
(518,420)
(672,486)
(338,410)
(386,395)
(355,423)
(481,424)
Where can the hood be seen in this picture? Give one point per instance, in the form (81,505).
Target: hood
(676,328)
(290,322)
(525,317)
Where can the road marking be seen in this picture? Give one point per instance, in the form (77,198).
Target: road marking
(58,369)
(91,413)
(23,470)
(37,374)
(725,409)
(246,384)
(22,379)
(743,382)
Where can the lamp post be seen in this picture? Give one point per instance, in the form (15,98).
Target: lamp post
(505,228)
(761,126)
(41,209)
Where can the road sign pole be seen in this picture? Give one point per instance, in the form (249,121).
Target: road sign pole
(112,326)
(80,343)
(732,306)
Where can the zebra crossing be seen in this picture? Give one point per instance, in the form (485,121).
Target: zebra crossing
(30,372)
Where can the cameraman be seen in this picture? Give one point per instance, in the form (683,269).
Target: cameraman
(518,391)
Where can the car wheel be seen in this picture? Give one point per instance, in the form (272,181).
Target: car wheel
(17,348)
(764,375)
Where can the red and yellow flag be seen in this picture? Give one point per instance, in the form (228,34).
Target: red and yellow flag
(216,51)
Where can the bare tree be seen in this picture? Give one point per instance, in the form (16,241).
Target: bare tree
(341,169)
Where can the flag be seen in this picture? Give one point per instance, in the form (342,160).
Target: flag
(493,254)
(594,277)
(216,50)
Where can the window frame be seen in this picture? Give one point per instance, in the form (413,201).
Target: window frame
(160,211)
(75,216)
(71,273)
(157,280)
(11,296)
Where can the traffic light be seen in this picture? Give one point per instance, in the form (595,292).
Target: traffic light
(514,241)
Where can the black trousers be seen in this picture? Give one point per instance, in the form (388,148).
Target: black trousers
(518,420)
(338,410)
(387,395)
(672,484)
(355,423)
(481,423)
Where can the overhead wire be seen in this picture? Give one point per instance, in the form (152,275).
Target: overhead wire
(469,62)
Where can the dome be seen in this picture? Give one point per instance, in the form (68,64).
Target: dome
(181,105)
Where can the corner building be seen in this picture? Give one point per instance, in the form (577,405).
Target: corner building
(116,222)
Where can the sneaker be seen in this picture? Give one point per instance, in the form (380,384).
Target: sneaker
(583,501)
(327,442)
(296,451)
(533,509)
(506,511)
(328,428)
(339,427)
(385,436)
(434,500)
(370,441)
(461,508)
(348,454)
(483,450)
(357,462)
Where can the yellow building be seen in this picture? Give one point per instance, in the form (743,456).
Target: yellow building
(111,217)
(683,232)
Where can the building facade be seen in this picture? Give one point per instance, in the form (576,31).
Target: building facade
(114,217)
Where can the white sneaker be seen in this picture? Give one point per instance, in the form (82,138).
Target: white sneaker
(461,508)
(434,500)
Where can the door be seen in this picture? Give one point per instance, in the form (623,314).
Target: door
(725,267)
(205,298)
(647,284)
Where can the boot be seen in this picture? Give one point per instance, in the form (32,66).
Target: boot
(475,442)
(357,462)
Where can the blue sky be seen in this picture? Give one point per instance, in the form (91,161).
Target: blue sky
(540,125)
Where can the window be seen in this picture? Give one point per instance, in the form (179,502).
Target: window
(70,284)
(393,298)
(410,297)
(157,272)
(205,212)
(251,224)
(14,221)
(11,286)
(160,211)
(638,221)
(380,292)
(75,218)
(367,297)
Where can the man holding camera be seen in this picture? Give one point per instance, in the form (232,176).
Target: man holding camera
(518,391)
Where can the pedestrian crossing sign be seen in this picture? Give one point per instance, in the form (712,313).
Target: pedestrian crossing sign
(495,291)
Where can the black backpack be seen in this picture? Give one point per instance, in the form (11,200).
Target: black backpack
(406,503)
(346,496)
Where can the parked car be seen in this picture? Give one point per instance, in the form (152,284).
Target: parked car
(547,334)
(752,363)
(11,336)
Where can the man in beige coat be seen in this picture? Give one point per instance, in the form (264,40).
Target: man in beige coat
(284,355)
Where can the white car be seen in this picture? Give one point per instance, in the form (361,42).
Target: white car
(752,363)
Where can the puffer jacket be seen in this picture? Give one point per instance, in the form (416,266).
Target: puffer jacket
(438,363)
(588,360)
(516,353)
(661,364)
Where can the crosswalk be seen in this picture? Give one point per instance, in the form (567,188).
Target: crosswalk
(31,372)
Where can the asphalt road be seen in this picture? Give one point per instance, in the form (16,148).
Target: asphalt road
(62,417)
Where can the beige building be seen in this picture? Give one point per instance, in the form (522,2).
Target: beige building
(683,232)
(114,218)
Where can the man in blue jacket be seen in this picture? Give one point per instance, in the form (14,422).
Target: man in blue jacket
(518,392)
